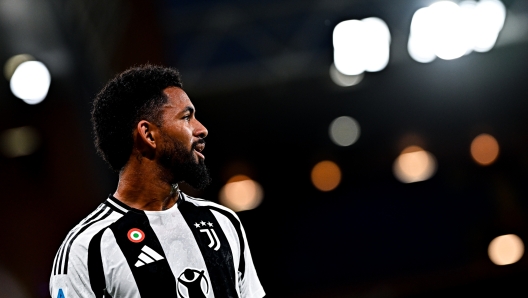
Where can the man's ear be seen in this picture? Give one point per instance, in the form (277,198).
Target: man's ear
(146,134)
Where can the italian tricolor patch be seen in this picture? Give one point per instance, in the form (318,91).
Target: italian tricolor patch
(135,235)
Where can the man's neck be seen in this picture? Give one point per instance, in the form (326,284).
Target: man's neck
(142,188)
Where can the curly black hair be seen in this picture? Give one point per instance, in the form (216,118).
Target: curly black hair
(133,95)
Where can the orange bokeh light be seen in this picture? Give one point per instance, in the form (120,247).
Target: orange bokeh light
(484,149)
(506,249)
(241,193)
(326,175)
(414,164)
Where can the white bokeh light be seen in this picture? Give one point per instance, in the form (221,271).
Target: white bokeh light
(377,44)
(30,82)
(448,30)
(349,52)
(489,20)
(446,23)
(420,44)
(361,46)
(342,79)
(344,131)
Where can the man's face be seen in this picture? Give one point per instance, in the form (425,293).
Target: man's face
(182,140)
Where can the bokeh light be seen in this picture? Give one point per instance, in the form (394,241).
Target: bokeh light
(484,149)
(361,46)
(506,249)
(449,30)
(344,131)
(420,45)
(241,193)
(489,17)
(19,141)
(326,175)
(11,286)
(13,62)
(344,80)
(30,82)
(414,164)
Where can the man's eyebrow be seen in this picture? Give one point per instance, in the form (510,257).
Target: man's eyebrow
(188,109)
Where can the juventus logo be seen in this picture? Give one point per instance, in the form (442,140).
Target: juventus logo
(208,229)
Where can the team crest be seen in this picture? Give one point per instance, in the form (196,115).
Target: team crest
(135,235)
(209,230)
(192,283)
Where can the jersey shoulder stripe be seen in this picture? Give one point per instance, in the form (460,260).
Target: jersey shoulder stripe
(229,214)
(205,203)
(95,266)
(103,213)
(58,265)
(60,253)
(117,205)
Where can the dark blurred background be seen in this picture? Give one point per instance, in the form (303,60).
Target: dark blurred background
(258,74)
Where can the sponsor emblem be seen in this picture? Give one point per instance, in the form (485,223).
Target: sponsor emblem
(147,256)
(135,235)
(208,229)
(61,294)
(192,283)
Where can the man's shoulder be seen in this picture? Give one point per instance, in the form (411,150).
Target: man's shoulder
(211,205)
(205,203)
(75,245)
(97,220)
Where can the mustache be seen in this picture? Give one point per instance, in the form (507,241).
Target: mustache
(199,142)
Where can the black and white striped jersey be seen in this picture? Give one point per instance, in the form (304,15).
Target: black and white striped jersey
(195,249)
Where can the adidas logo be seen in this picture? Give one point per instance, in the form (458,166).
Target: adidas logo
(147,256)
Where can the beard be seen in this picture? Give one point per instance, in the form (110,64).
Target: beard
(182,165)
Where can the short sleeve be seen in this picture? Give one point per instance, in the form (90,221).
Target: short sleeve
(71,278)
(249,283)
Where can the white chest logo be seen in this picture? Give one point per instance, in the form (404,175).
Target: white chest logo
(148,255)
(192,283)
(208,229)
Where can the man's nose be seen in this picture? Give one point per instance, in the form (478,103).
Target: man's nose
(200,130)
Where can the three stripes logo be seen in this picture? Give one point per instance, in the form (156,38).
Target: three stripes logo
(208,229)
(147,256)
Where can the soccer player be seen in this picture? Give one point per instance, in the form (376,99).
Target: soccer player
(149,239)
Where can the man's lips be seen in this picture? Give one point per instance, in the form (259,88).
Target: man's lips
(198,148)
(200,155)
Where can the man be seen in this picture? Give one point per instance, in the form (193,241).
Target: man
(149,239)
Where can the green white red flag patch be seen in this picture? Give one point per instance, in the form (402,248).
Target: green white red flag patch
(135,235)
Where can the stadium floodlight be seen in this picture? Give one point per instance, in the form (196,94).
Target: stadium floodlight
(490,16)
(361,46)
(448,30)
(420,45)
(30,82)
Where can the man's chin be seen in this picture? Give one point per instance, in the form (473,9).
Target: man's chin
(197,176)
(201,185)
